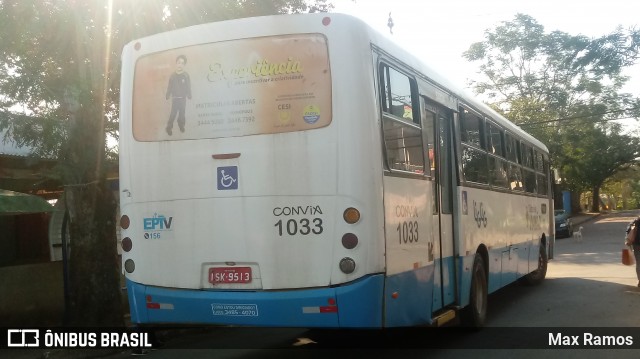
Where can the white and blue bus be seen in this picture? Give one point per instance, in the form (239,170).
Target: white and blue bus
(305,171)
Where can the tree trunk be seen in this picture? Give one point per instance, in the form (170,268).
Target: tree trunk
(93,273)
(595,205)
(94,281)
(576,207)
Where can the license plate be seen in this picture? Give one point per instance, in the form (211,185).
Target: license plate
(229,275)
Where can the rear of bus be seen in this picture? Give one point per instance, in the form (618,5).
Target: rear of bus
(250,175)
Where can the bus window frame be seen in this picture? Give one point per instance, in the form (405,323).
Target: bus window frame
(465,111)
(415,123)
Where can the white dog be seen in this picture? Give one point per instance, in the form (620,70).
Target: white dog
(577,235)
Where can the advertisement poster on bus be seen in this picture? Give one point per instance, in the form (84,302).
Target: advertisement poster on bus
(233,88)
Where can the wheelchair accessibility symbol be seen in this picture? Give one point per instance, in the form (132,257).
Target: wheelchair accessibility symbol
(227,177)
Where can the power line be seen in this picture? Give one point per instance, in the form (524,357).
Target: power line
(583,116)
(600,121)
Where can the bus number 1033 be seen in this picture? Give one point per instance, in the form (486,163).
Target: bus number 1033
(303,226)
(407,232)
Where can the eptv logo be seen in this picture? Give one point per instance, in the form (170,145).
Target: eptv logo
(23,338)
(157,222)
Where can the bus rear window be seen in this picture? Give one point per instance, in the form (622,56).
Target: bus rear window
(233,88)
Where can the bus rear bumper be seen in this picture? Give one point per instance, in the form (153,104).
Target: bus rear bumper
(355,305)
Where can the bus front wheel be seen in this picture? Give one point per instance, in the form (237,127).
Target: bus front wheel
(476,313)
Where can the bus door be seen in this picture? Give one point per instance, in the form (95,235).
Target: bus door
(438,125)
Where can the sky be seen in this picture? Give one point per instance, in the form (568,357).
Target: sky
(440,31)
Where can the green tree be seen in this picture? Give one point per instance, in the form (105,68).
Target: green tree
(625,185)
(59,89)
(595,154)
(563,89)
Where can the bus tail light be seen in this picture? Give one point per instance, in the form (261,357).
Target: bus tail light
(153,305)
(129,265)
(160,306)
(349,240)
(127,244)
(347,265)
(125,222)
(351,215)
(330,308)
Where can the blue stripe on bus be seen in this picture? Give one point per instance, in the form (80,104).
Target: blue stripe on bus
(359,305)
(137,302)
(408,297)
(501,271)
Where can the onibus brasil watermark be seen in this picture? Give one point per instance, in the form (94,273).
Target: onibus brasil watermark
(41,338)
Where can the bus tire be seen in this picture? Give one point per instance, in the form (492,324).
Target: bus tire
(537,276)
(475,313)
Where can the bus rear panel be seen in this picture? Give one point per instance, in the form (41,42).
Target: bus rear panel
(237,210)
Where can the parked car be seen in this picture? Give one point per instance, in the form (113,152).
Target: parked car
(564,227)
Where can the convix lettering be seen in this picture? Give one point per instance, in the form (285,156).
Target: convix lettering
(296,211)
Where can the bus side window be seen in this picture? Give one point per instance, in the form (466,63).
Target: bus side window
(474,158)
(471,128)
(511,147)
(498,171)
(515,177)
(542,165)
(399,99)
(474,165)
(404,149)
(530,185)
(494,140)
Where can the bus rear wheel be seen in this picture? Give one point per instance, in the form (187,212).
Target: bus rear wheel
(476,313)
